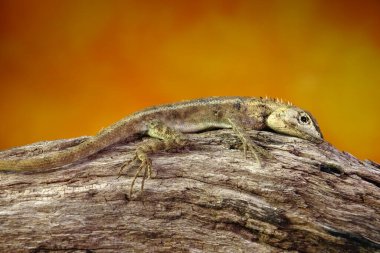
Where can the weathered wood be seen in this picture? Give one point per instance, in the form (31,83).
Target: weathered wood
(207,198)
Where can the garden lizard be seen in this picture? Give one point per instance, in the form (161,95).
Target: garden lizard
(167,124)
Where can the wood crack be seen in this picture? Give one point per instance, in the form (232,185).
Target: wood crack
(310,198)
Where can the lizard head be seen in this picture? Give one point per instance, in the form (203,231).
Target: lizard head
(295,122)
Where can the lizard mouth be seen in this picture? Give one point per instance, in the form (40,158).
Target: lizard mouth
(316,139)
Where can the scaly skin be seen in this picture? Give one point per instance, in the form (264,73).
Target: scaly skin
(167,123)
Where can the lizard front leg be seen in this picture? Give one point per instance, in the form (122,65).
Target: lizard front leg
(247,143)
(165,138)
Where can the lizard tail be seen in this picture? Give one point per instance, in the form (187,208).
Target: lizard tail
(105,138)
(33,163)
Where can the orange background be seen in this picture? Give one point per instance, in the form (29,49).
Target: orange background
(69,68)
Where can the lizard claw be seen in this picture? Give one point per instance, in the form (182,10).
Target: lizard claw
(256,151)
(145,164)
(247,147)
(127,164)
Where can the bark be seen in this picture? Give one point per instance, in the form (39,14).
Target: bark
(205,198)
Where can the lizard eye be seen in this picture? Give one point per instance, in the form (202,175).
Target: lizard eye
(304,119)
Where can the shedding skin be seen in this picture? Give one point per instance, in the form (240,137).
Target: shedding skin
(167,124)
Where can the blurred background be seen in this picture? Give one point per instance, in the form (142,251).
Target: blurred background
(69,68)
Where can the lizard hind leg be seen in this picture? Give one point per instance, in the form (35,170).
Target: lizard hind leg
(164,138)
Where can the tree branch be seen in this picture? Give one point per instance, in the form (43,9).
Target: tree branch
(207,198)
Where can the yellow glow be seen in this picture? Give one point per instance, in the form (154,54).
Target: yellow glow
(69,68)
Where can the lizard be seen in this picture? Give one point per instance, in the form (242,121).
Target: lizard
(168,124)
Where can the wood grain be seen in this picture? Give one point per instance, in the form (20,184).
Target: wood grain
(206,198)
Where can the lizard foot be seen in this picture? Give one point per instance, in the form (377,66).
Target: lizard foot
(257,151)
(248,145)
(164,138)
(145,165)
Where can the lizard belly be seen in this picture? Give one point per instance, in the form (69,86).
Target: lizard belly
(193,127)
